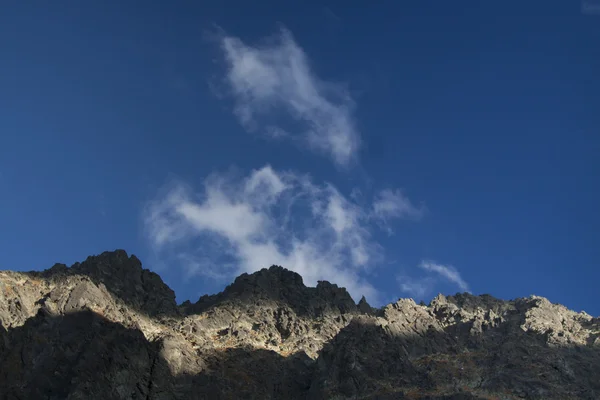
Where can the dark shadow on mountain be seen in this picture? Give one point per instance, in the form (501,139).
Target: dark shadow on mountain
(366,358)
(282,286)
(82,355)
(124,277)
(73,356)
(145,292)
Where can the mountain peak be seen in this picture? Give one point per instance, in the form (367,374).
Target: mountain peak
(268,279)
(281,286)
(123,276)
(268,335)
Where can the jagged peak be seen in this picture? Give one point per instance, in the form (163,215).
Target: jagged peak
(275,282)
(467,300)
(363,303)
(110,261)
(275,273)
(280,285)
(364,307)
(57,268)
(123,276)
(438,300)
(392,351)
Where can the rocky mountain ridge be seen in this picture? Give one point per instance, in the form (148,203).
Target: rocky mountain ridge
(107,328)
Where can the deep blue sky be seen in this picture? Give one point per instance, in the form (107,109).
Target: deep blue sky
(486,112)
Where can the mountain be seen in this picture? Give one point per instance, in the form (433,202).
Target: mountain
(108,329)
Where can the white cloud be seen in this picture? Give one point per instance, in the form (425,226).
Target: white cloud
(394,204)
(446,271)
(266,218)
(271,217)
(416,288)
(274,80)
(419,288)
(161,220)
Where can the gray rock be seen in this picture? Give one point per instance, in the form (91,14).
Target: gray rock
(108,329)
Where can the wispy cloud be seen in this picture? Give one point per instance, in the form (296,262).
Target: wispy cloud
(423,286)
(446,271)
(265,218)
(273,81)
(390,204)
(415,288)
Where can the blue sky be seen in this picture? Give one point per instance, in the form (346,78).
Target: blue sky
(399,149)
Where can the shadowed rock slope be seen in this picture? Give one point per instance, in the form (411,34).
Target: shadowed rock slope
(108,329)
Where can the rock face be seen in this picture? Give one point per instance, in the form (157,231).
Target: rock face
(108,329)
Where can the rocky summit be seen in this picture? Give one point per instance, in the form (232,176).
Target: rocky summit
(108,329)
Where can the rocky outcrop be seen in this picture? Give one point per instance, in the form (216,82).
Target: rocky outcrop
(124,278)
(108,329)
